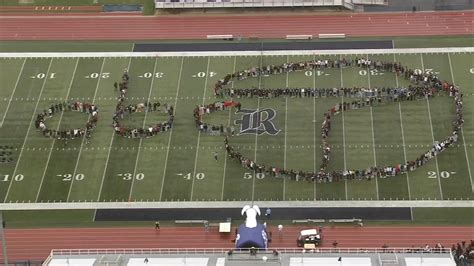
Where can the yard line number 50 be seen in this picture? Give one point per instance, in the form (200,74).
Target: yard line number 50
(248,175)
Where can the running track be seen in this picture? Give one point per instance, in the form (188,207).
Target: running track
(131,27)
(36,244)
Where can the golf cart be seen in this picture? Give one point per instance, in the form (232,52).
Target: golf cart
(308,236)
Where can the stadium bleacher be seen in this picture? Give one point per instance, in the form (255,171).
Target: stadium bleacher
(48,9)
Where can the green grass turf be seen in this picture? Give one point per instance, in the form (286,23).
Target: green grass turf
(186,170)
(65,46)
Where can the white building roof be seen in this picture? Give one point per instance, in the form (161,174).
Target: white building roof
(72,262)
(168,262)
(420,261)
(333,261)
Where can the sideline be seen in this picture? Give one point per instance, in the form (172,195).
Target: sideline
(238,204)
(244,53)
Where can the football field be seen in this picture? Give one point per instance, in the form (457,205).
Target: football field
(180,164)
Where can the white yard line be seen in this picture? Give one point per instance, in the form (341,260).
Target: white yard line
(436,156)
(373,135)
(403,134)
(243,53)
(108,154)
(287,73)
(28,131)
(284,154)
(432,134)
(462,132)
(373,149)
(286,128)
(82,141)
(228,124)
(143,126)
(404,148)
(171,131)
(54,139)
(13,93)
(255,150)
(105,167)
(218,205)
(343,130)
(256,134)
(314,132)
(199,133)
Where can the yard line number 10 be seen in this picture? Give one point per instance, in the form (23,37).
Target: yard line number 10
(18,177)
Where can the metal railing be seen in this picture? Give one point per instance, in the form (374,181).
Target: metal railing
(370,2)
(148,252)
(166,251)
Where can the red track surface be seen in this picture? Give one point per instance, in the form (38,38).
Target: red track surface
(36,244)
(192,27)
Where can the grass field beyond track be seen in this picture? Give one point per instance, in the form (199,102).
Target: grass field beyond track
(179,165)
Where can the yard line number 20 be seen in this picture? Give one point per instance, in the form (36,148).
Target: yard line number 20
(443,174)
(70,177)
